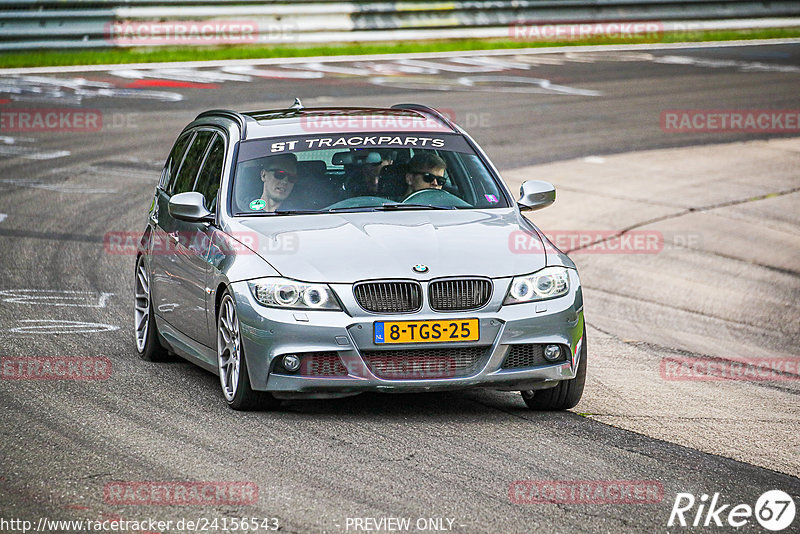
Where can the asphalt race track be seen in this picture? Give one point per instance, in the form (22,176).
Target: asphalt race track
(448,461)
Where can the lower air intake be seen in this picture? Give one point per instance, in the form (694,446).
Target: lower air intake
(422,364)
(320,364)
(529,355)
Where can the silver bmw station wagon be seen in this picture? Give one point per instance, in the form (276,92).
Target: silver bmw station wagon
(325,252)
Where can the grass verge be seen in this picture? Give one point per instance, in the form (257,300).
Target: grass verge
(105,56)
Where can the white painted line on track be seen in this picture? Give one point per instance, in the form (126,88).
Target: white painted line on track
(3,217)
(749,66)
(513,84)
(184,74)
(267,73)
(597,160)
(54,326)
(56,297)
(450,67)
(59,188)
(6,140)
(30,153)
(320,66)
(390,57)
(544,86)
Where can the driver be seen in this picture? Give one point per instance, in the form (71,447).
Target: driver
(279,174)
(425,171)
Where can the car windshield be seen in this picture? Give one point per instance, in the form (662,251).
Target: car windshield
(361,172)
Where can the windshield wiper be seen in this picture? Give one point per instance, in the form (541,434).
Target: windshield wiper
(297,212)
(278,212)
(389,207)
(351,209)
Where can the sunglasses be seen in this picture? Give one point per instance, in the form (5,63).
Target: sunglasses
(280,174)
(430,177)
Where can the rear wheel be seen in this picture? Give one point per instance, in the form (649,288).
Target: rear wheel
(148,345)
(233,376)
(566,394)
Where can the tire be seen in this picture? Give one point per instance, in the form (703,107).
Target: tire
(145,333)
(232,364)
(565,395)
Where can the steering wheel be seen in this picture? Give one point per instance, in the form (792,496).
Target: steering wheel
(436,197)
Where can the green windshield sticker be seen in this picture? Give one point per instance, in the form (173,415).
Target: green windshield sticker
(258,204)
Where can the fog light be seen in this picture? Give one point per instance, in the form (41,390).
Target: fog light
(291,362)
(552,353)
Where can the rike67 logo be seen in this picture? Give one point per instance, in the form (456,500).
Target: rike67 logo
(774,510)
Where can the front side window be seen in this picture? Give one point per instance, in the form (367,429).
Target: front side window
(362,172)
(211,173)
(174,161)
(187,173)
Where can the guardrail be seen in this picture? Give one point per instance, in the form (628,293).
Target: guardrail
(51,24)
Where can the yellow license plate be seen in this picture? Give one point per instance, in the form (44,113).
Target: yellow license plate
(446,331)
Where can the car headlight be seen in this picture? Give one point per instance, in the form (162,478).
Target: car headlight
(550,282)
(291,294)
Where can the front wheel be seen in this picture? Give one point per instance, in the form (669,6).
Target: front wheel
(566,394)
(233,376)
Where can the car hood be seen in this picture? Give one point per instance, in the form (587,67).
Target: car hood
(348,247)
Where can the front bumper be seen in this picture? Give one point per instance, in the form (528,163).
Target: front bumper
(269,333)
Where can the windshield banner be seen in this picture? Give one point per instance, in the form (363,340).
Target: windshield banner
(280,145)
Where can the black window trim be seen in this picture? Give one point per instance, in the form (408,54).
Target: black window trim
(220,133)
(195,132)
(190,134)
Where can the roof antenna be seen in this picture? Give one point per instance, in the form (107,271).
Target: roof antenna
(297,104)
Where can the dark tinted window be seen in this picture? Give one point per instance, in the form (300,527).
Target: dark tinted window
(211,173)
(174,161)
(191,163)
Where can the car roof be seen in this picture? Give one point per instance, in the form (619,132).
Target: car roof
(299,120)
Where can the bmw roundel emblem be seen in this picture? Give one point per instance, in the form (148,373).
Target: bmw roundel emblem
(419,268)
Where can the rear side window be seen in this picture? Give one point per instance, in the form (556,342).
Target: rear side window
(191,163)
(174,161)
(211,173)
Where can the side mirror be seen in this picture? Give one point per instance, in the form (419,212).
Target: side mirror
(535,195)
(189,207)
